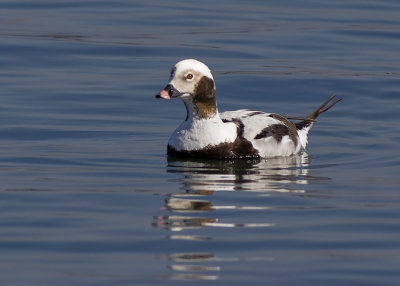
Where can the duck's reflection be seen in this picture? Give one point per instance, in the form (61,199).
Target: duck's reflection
(264,175)
(193,207)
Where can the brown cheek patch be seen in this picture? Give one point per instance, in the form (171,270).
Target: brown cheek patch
(204,98)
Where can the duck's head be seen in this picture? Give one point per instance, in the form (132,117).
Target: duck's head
(192,82)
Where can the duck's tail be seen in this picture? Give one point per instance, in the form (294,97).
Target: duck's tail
(304,125)
(307,122)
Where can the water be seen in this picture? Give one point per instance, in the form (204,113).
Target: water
(88,196)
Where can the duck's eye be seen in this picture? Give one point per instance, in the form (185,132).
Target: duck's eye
(189,76)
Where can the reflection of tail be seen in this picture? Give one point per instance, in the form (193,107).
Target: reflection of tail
(309,120)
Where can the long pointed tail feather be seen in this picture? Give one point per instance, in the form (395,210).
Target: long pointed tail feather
(310,119)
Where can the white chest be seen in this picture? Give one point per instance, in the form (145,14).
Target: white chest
(196,134)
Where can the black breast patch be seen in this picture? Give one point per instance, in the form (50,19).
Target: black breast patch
(236,150)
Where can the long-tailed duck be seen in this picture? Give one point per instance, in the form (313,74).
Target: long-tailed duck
(244,133)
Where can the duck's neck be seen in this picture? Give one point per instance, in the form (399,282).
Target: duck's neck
(200,109)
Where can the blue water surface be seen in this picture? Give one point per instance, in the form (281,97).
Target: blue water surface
(89,197)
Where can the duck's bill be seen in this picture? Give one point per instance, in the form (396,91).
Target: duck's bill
(168,92)
(163,94)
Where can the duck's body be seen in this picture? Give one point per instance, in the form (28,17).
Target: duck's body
(206,133)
